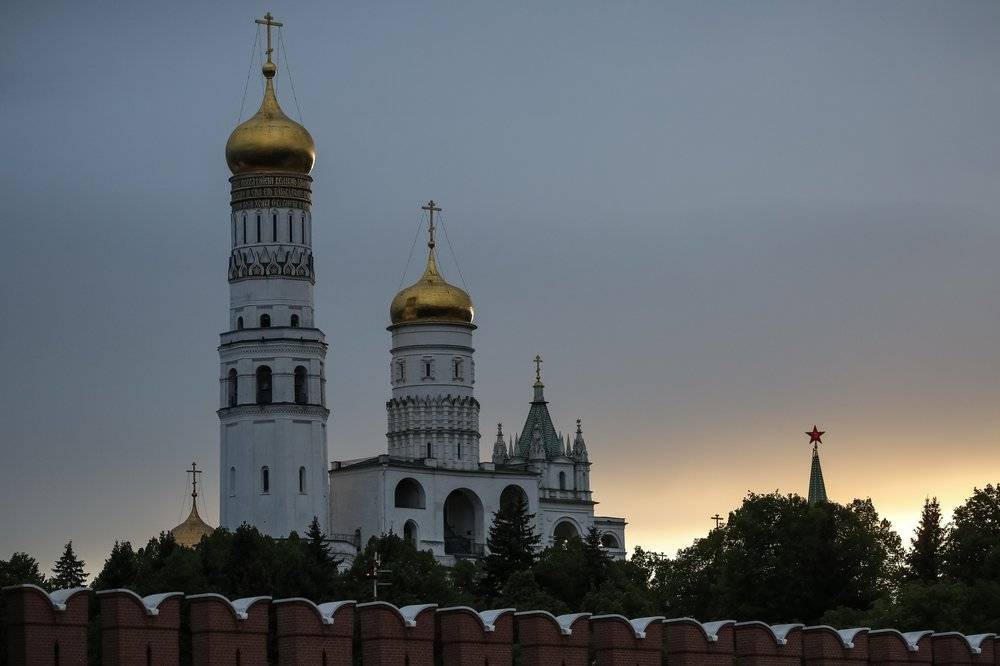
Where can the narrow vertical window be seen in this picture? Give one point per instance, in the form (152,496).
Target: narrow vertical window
(295,321)
(265,321)
(274,227)
(263,385)
(460,450)
(291,239)
(232,481)
(305,240)
(429,452)
(234,390)
(301,385)
(457,369)
(258,227)
(302,479)
(427,369)
(265,479)
(562,480)
(244,228)
(239,323)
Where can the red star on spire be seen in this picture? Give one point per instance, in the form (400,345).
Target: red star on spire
(816,436)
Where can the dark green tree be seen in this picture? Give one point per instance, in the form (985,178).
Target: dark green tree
(598,563)
(522,591)
(21,568)
(68,571)
(923,562)
(323,564)
(414,575)
(972,547)
(512,542)
(689,584)
(120,568)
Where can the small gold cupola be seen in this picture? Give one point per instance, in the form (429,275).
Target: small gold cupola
(270,141)
(431,299)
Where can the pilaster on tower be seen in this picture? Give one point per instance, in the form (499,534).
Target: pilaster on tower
(272,377)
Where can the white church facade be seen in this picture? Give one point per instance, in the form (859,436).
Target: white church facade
(428,483)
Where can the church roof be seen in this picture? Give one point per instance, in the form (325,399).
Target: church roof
(817,489)
(538,417)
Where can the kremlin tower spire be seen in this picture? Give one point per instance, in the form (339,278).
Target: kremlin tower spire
(272,412)
(817,489)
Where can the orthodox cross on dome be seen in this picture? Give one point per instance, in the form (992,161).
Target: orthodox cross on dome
(194,472)
(268,21)
(431,208)
(538,368)
(718,520)
(579,426)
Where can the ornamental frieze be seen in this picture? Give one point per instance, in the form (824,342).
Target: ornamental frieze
(271,191)
(229,414)
(271,261)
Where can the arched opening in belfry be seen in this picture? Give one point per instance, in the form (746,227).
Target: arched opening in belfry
(409,494)
(410,532)
(265,321)
(295,321)
(301,385)
(264,385)
(609,540)
(562,480)
(463,520)
(564,531)
(511,495)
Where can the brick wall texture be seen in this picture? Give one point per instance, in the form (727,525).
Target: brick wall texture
(53,630)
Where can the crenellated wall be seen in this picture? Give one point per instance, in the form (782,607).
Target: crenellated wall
(48,629)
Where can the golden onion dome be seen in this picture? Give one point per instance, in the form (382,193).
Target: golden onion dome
(270,141)
(431,300)
(190,532)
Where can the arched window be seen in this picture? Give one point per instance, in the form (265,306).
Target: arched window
(459,451)
(302,479)
(410,532)
(301,385)
(265,479)
(239,323)
(458,369)
(263,385)
(233,387)
(295,321)
(232,481)
(429,451)
(409,494)
(265,321)
(562,480)
(609,540)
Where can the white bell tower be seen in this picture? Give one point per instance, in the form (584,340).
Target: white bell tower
(271,360)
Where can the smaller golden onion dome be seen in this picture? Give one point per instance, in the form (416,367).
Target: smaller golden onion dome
(270,141)
(190,532)
(431,300)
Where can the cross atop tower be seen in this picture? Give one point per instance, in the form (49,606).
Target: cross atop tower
(431,208)
(718,520)
(538,368)
(269,21)
(194,472)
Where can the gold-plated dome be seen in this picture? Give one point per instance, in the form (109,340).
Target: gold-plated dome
(270,141)
(190,532)
(431,299)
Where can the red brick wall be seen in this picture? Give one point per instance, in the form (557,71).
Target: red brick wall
(37,632)
(615,642)
(886,648)
(130,635)
(304,638)
(387,641)
(822,646)
(686,644)
(756,646)
(952,648)
(543,643)
(465,642)
(220,638)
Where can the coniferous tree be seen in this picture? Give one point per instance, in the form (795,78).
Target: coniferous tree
(68,570)
(597,560)
(120,569)
(512,542)
(21,568)
(923,562)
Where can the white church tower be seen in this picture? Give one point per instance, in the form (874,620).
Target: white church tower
(433,415)
(271,360)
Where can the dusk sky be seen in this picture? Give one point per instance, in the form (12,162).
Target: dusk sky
(719,223)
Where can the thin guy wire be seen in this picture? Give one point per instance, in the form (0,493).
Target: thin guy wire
(253,50)
(453,255)
(420,225)
(288,70)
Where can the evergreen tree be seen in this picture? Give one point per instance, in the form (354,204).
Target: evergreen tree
(323,564)
(972,547)
(923,562)
(512,542)
(598,562)
(68,570)
(120,569)
(21,568)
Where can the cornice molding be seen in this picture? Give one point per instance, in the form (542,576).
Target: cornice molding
(243,412)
